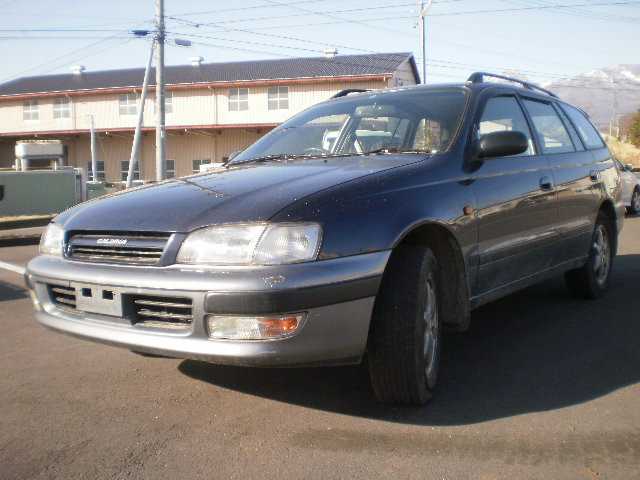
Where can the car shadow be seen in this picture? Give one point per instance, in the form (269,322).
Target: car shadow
(10,292)
(536,350)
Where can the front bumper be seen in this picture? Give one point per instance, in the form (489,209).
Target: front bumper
(337,296)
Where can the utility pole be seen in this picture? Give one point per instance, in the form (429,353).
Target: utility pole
(423,7)
(135,148)
(160,113)
(94,150)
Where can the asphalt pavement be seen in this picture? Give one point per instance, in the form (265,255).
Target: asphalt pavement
(543,386)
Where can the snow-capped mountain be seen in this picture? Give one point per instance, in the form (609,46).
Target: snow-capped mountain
(602,93)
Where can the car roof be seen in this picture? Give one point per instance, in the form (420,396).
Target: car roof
(475,87)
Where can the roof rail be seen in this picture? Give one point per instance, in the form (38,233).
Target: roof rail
(344,93)
(478,77)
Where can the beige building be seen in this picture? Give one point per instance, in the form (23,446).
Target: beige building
(213,109)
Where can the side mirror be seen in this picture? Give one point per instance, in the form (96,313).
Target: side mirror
(502,144)
(629,167)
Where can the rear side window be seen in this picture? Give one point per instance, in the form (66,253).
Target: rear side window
(577,142)
(587,131)
(551,131)
(504,114)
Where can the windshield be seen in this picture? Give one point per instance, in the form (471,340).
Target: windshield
(416,120)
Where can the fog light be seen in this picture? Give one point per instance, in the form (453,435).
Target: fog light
(231,327)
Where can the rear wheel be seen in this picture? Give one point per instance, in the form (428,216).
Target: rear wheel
(405,338)
(592,280)
(634,208)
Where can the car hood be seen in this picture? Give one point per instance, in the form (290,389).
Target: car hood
(242,193)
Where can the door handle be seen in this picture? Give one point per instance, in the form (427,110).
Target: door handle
(546,183)
(594,175)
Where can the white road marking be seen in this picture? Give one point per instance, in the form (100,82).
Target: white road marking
(12,268)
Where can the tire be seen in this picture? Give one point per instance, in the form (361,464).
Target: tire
(634,208)
(405,339)
(591,281)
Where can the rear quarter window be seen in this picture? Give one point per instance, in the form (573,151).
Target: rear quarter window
(551,131)
(585,128)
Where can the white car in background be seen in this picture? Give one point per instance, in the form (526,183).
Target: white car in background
(630,188)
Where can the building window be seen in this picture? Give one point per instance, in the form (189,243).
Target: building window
(62,108)
(100,171)
(168,103)
(238,99)
(195,164)
(30,110)
(170,169)
(124,170)
(278,98)
(128,104)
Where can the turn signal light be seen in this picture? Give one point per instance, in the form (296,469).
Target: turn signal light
(231,327)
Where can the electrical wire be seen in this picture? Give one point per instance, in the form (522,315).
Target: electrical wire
(58,60)
(340,20)
(282,4)
(441,64)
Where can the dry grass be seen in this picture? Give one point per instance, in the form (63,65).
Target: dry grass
(625,152)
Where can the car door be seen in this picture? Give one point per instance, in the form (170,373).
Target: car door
(516,207)
(580,177)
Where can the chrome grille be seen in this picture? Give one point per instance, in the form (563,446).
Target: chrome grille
(163,312)
(64,297)
(128,249)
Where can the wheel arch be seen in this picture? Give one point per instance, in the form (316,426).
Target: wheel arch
(609,210)
(453,270)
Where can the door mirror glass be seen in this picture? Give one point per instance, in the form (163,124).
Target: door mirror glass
(502,144)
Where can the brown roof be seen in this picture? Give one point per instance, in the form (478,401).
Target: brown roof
(287,68)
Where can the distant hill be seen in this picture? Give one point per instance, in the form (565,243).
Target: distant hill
(602,92)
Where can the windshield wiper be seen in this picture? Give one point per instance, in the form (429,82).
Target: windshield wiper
(396,150)
(274,157)
(293,156)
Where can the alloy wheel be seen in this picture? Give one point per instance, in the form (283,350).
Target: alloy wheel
(431,333)
(601,254)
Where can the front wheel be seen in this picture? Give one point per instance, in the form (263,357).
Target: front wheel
(592,280)
(405,339)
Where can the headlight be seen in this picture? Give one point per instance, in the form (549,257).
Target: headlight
(251,244)
(52,240)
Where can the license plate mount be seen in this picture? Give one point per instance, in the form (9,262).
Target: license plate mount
(98,299)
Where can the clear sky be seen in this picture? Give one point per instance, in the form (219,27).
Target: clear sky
(463,35)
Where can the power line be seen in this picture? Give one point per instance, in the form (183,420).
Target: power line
(58,60)
(292,15)
(432,61)
(579,12)
(62,30)
(51,37)
(218,11)
(287,37)
(441,64)
(332,16)
(73,52)
(540,7)
(340,20)
(248,42)
(311,42)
